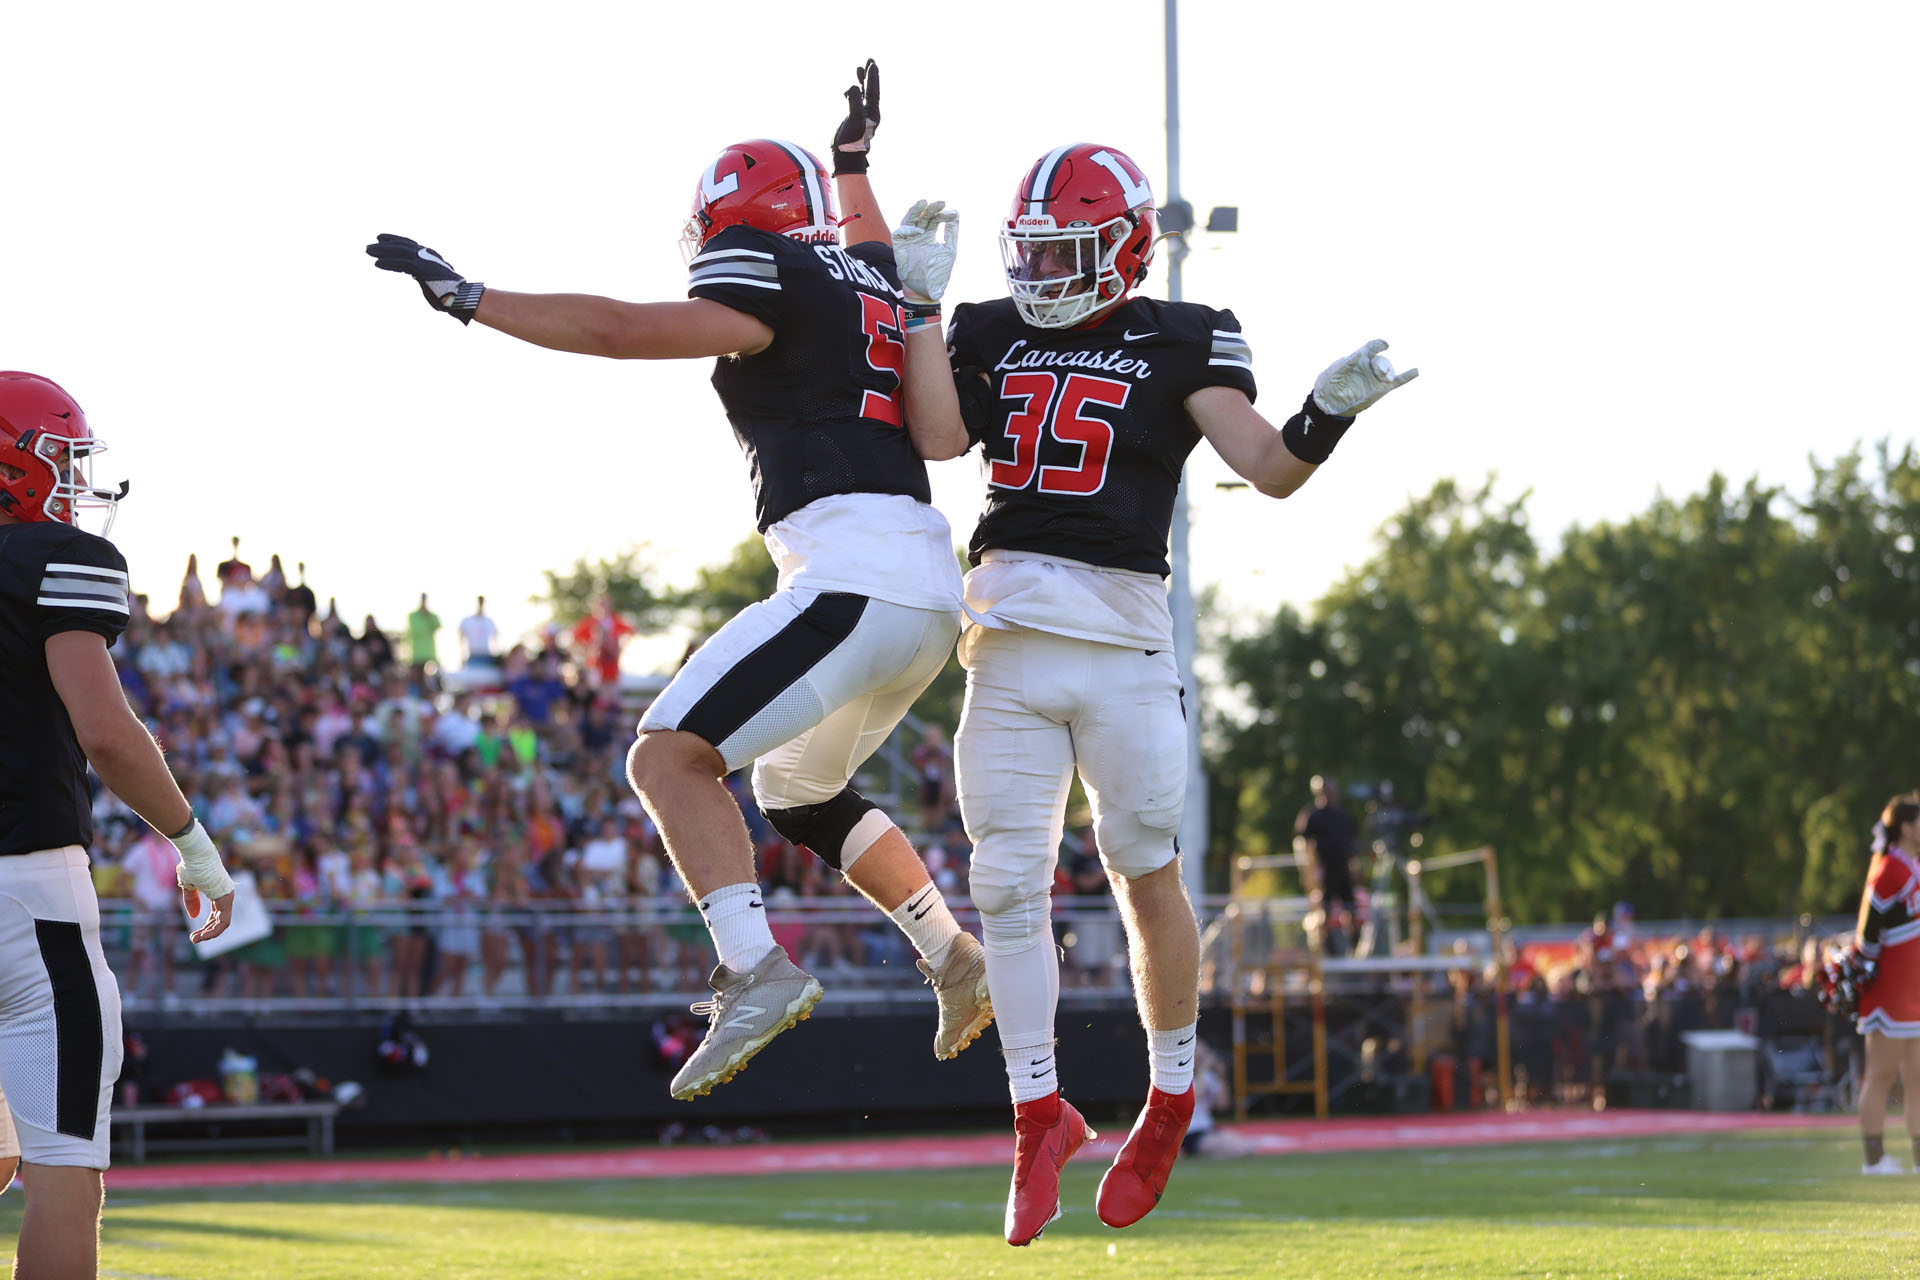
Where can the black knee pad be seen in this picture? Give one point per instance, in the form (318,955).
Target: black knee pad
(824,827)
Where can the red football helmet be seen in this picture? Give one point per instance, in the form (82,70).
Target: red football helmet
(46,453)
(1080,236)
(773,185)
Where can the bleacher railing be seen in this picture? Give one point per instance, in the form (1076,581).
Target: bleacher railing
(550,955)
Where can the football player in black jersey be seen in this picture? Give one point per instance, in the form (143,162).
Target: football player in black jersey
(63,600)
(827,352)
(1086,400)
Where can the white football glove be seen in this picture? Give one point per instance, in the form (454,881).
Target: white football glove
(1352,383)
(924,246)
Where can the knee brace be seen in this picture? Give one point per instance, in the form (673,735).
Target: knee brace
(837,831)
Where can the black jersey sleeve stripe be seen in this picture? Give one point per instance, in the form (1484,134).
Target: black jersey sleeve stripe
(76,1021)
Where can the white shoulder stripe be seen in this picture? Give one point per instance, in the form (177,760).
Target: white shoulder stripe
(758,284)
(713,255)
(1238,364)
(1229,333)
(112,606)
(98,571)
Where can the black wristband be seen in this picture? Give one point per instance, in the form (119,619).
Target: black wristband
(185,831)
(465,300)
(846,162)
(1311,433)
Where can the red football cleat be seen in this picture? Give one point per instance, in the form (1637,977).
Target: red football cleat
(1140,1172)
(1046,1133)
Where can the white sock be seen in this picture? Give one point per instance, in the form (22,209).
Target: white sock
(1032,1070)
(928,924)
(736,916)
(1170,1058)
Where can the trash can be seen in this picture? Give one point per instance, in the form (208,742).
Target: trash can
(1723,1069)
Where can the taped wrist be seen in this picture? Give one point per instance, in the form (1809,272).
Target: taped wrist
(464,300)
(918,315)
(1311,433)
(200,864)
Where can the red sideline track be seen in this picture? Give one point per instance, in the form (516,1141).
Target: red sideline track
(1267,1137)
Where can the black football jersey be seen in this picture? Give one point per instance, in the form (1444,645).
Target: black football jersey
(819,411)
(53,578)
(1085,431)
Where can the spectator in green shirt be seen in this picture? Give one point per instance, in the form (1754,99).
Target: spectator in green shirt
(422,627)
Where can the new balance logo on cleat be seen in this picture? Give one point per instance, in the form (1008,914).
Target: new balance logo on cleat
(744,1016)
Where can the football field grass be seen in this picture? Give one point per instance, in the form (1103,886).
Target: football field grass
(1747,1205)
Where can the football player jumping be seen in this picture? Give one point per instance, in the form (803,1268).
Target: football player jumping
(1087,399)
(826,353)
(63,600)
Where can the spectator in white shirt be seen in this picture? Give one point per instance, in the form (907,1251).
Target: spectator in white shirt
(478,635)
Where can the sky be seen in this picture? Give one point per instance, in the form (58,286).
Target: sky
(1627,246)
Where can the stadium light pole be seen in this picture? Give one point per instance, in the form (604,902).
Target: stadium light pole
(1177,220)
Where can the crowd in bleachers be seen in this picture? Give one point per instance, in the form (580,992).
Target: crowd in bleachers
(1615,1006)
(352,774)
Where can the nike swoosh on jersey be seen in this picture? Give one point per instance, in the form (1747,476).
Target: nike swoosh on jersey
(1131,336)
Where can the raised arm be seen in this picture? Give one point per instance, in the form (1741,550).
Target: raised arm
(863,222)
(924,247)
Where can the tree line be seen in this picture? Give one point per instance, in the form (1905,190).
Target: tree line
(1700,709)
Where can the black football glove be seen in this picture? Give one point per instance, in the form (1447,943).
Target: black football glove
(850,144)
(444,288)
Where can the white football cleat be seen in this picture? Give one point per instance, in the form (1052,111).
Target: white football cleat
(1884,1165)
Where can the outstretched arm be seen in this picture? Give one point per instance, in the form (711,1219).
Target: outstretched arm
(595,326)
(1277,462)
(578,322)
(1247,442)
